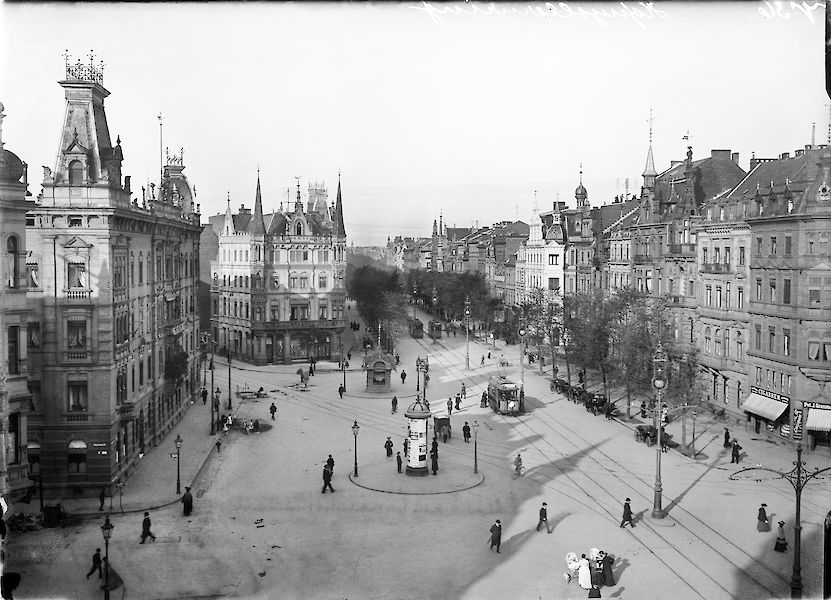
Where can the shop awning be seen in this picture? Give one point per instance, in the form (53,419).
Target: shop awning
(764,407)
(818,420)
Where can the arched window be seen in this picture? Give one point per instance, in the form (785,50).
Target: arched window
(13,261)
(77,456)
(718,342)
(707,338)
(76,173)
(299,229)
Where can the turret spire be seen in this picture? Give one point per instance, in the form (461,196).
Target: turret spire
(257,222)
(340,230)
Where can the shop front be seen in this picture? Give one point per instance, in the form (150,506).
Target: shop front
(818,425)
(769,411)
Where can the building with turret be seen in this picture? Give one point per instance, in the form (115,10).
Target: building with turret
(112,278)
(279,287)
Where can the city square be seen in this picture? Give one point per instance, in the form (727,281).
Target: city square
(560,329)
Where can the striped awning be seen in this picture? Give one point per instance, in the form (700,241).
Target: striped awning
(818,420)
(764,407)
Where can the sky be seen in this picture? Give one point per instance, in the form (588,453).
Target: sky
(470,110)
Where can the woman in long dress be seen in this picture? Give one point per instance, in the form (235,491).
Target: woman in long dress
(584,573)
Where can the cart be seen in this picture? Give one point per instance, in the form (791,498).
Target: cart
(439,422)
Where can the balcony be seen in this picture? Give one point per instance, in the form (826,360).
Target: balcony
(642,259)
(681,249)
(76,355)
(77,417)
(716,268)
(78,294)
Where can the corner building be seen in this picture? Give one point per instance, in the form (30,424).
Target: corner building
(112,283)
(279,283)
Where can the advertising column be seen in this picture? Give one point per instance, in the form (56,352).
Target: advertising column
(417,418)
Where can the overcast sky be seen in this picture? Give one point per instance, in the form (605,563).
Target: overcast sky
(421,109)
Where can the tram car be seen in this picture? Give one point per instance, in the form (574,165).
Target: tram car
(435,330)
(416,328)
(504,397)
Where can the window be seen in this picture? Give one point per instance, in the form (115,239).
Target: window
(76,173)
(14,350)
(323,313)
(740,297)
(786,291)
(275,312)
(758,344)
(141,269)
(772,290)
(77,275)
(759,375)
(718,342)
(813,296)
(813,350)
(718,296)
(704,260)
(739,347)
(717,255)
(13,261)
(33,334)
(322,281)
(787,245)
(293,281)
(727,295)
(77,456)
(707,340)
(708,295)
(298,229)
(76,334)
(727,255)
(553,283)
(773,245)
(553,259)
(77,396)
(759,290)
(786,342)
(772,340)
(741,255)
(304,281)
(758,245)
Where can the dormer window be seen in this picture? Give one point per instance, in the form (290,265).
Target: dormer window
(299,229)
(76,173)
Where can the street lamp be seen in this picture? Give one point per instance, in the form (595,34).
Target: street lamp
(659,383)
(229,378)
(355,428)
(467,333)
(213,392)
(475,447)
(107,532)
(178,442)
(797,477)
(415,300)
(522,333)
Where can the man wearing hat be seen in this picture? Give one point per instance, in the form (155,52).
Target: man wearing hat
(388,446)
(627,514)
(543,518)
(496,535)
(762,519)
(187,501)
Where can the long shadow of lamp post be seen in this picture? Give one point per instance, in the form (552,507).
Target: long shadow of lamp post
(798,477)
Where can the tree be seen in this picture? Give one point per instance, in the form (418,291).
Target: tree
(545,320)
(633,343)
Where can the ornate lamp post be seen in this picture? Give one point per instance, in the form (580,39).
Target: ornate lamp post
(415,300)
(797,477)
(107,532)
(522,333)
(228,348)
(178,442)
(213,396)
(467,333)
(659,383)
(475,447)
(355,428)
(435,302)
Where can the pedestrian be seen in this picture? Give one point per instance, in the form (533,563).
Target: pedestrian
(327,479)
(388,446)
(426,404)
(403,376)
(330,462)
(607,562)
(466,432)
(458,402)
(445,433)
(435,446)
(464,391)
(255,426)
(781,540)
(204,393)
(489,354)
(348,357)
(272,409)
(398,460)
(543,518)
(218,446)
(406,446)
(394,404)
(96,564)
(101,497)
(434,461)
(145,529)
(482,362)
(762,523)
(496,535)
(735,456)
(484,402)
(643,410)
(449,406)
(726,437)
(584,573)
(187,501)
(607,409)
(627,514)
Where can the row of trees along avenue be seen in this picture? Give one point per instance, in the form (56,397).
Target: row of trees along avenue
(616,335)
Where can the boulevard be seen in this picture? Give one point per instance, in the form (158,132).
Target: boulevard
(262,529)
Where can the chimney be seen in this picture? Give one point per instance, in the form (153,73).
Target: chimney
(813,134)
(720,154)
(784,155)
(243,210)
(798,152)
(674,163)
(127,184)
(735,157)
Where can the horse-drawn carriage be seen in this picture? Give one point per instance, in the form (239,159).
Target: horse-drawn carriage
(649,435)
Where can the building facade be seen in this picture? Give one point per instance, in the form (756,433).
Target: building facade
(279,286)
(112,286)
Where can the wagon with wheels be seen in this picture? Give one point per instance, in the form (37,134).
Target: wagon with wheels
(441,422)
(649,435)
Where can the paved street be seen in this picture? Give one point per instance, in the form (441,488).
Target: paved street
(262,529)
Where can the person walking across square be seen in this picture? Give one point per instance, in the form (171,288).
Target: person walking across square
(735,456)
(272,409)
(543,518)
(466,432)
(330,462)
(145,529)
(403,376)
(627,514)
(496,535)
(327,480)
(96,564)
(398,460)
(388,447)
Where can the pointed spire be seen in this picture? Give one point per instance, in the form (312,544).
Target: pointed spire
(340,230)
(257,222)
(649,172)
(298,204)
(229,199)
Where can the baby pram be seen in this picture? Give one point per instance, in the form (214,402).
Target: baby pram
(573,565)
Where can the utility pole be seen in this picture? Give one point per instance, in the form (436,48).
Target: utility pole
(659,383)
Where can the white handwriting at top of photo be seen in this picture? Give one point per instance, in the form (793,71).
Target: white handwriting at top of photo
(784,10)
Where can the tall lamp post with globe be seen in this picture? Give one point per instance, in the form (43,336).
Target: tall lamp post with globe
(659,383)
(355,429)
(522,333)
(107,532)
(467,333)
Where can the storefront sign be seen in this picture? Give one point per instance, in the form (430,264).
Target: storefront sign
(817,405)
(768,394)
(785,431)
(99,444)
(797,423)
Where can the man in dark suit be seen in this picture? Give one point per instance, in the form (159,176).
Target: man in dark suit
(543,518)
(627,514)
(327,479)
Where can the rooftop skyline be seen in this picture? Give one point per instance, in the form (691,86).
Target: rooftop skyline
(460,109)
